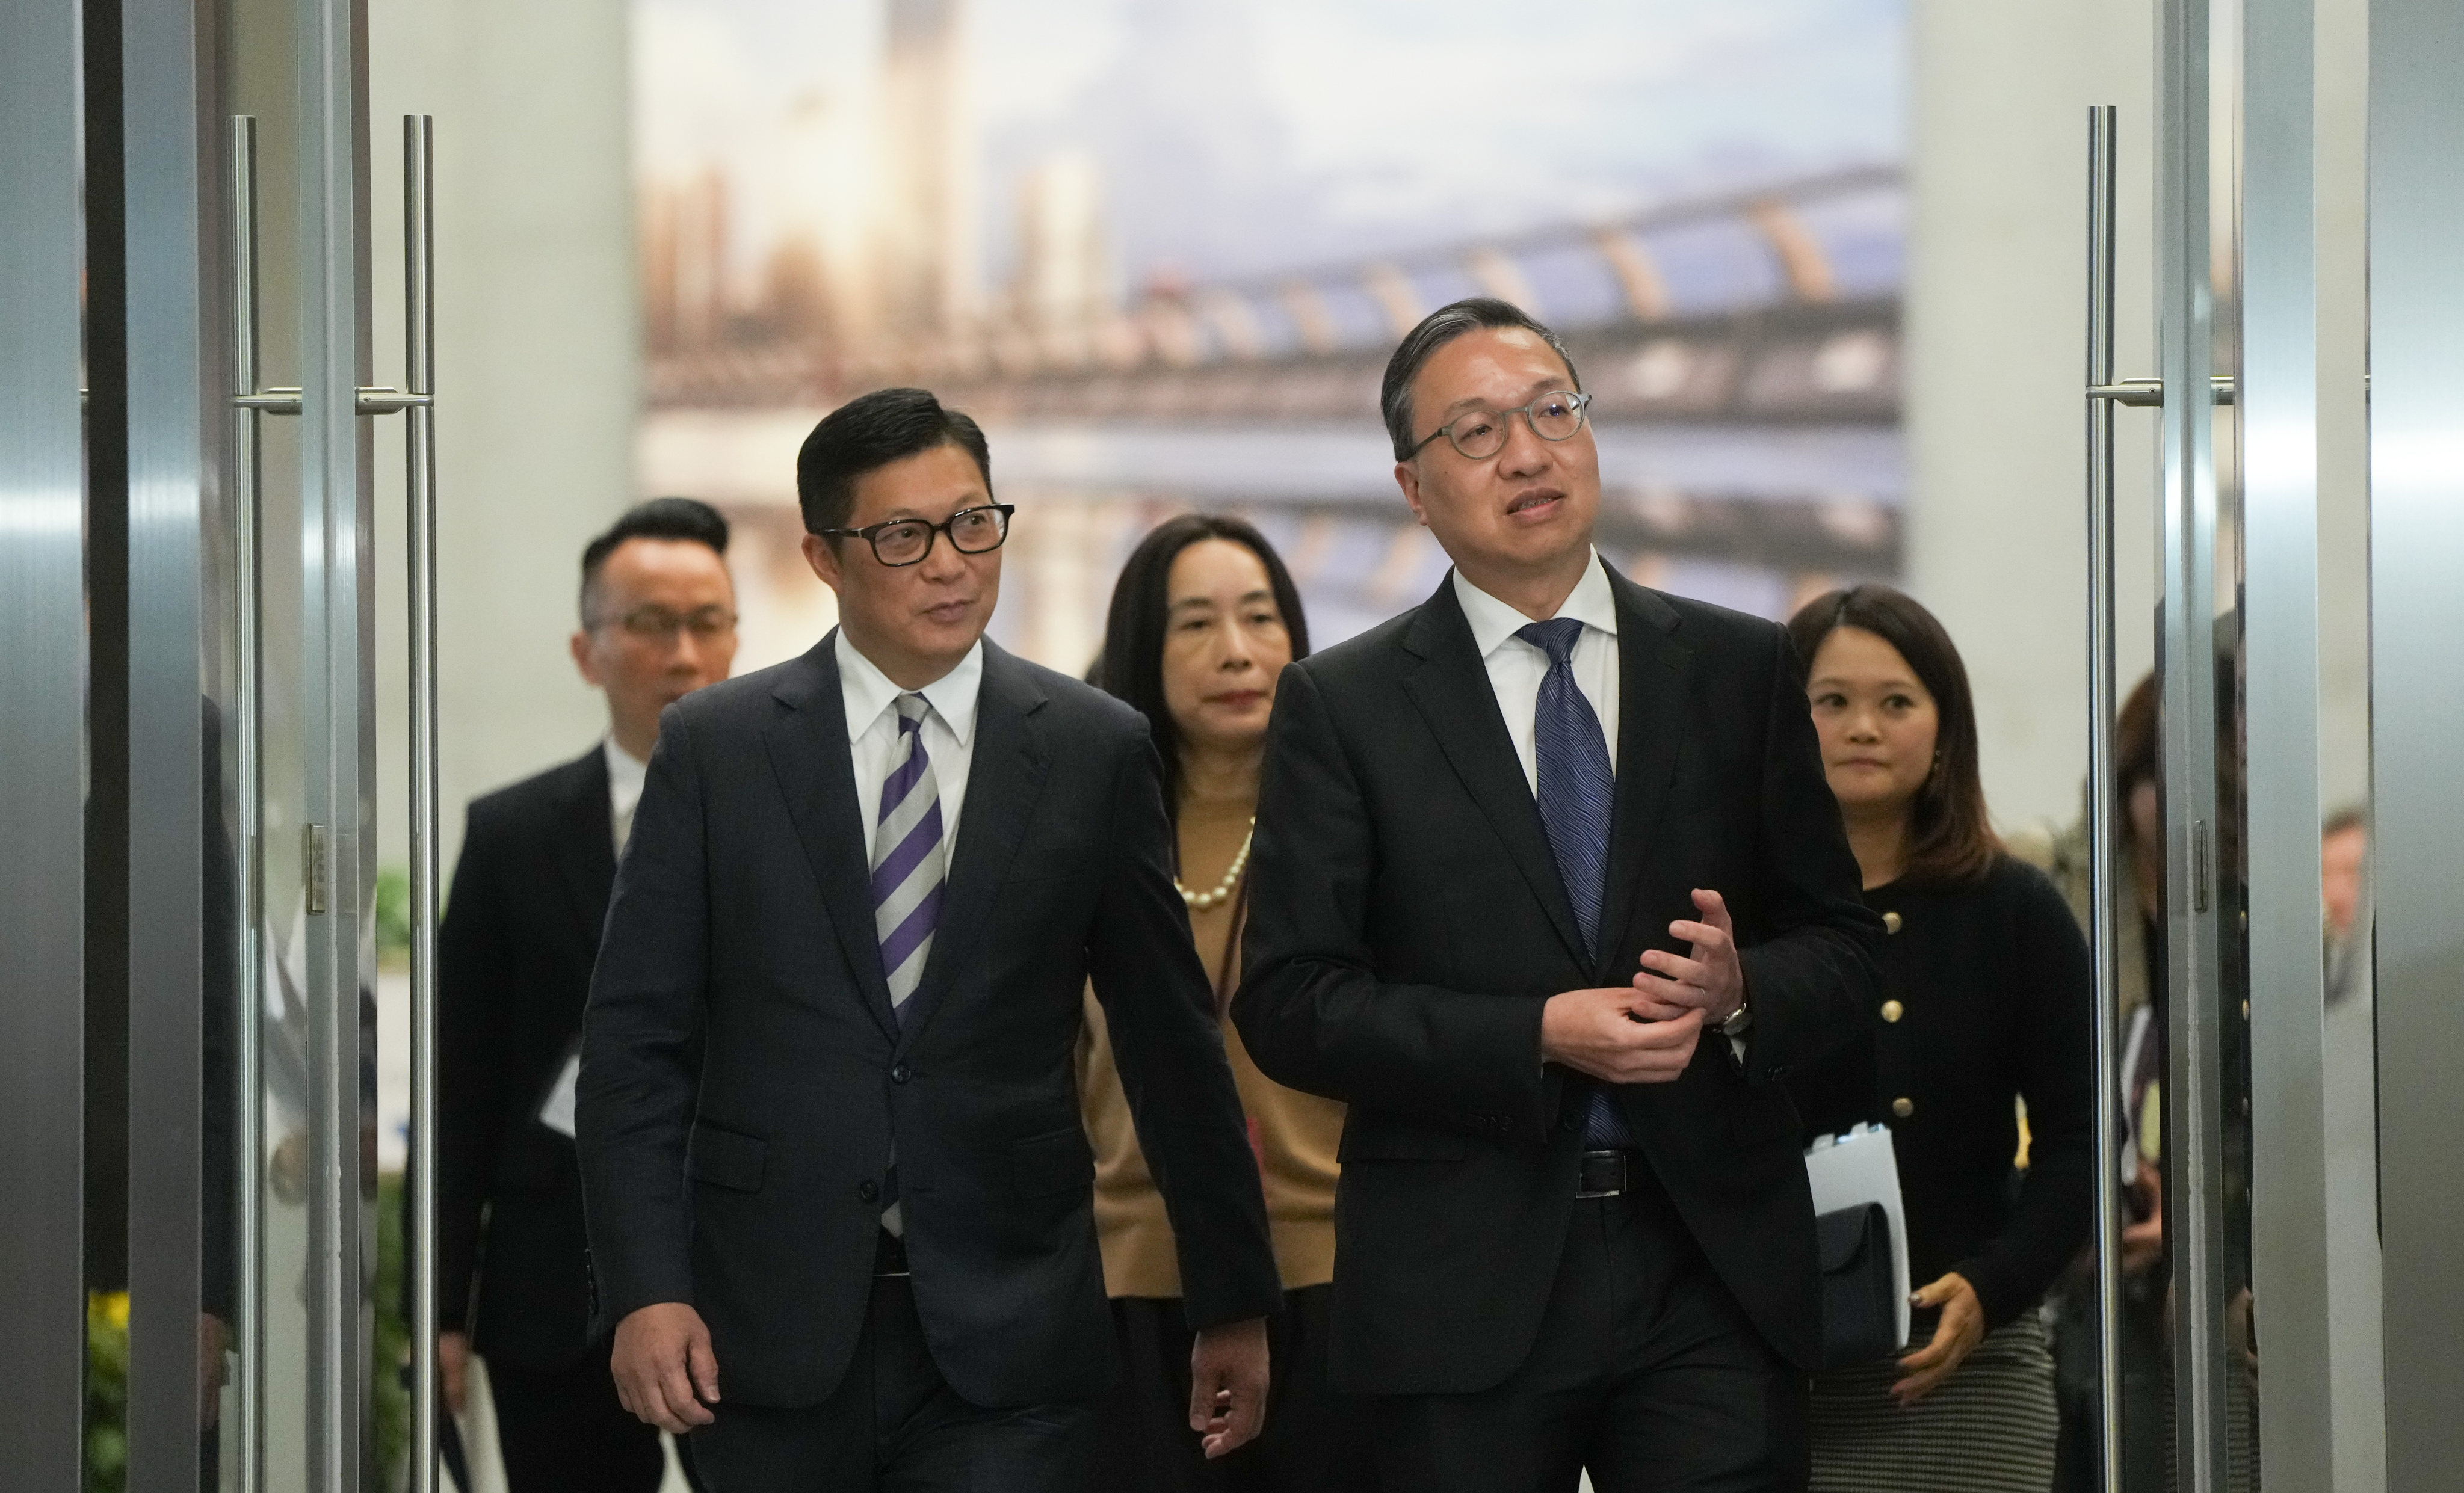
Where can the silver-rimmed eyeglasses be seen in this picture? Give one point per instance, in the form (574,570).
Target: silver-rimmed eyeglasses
(658,625)
(1482,433)
(906,541)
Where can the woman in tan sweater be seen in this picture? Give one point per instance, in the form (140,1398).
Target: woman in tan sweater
(1203,618)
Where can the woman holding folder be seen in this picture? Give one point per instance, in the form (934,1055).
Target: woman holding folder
(1984,1009)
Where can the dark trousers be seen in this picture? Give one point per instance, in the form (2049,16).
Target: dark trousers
(2146,1385)
(562,1430)
(1311,1442)
(1645,1371)
(894,1424)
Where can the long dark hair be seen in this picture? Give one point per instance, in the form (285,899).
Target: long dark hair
(1951,843)
(1131,665)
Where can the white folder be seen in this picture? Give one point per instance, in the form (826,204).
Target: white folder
(1855,1169)
(556,1111)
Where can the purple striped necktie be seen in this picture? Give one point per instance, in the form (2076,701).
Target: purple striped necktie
(907,858)
(908,865)
(1577,798)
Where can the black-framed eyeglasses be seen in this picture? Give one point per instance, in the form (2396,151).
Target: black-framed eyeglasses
(658,625)
(906,541)
(1482,433)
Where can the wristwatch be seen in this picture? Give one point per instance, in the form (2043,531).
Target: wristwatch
(1738,1021)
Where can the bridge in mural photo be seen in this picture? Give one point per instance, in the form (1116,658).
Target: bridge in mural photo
(1743,350)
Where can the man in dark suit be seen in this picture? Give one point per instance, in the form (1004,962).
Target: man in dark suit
(829,1126)
(514,958)
(1549,889)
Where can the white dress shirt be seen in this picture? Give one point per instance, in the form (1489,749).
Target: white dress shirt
(949,732)
(626,775)
(1516,667)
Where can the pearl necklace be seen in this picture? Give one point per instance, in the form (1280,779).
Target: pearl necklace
(1205,901)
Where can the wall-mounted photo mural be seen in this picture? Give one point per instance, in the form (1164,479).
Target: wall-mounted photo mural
(1161,249)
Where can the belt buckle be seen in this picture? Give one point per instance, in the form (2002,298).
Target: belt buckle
(1604,1159)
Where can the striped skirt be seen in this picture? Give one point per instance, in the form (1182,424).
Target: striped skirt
(1989,1428)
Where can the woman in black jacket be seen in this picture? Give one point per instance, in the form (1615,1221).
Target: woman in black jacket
(1984,1007)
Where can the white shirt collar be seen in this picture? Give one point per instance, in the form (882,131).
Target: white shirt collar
(1591,602)
(626,775)
(868,691)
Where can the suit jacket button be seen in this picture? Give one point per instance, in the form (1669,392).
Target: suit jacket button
(867,1192)
(1904,1107)
(898,1074)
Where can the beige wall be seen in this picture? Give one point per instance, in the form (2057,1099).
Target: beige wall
(537,367)
(1997,319)
(2344,428)
(1995,326)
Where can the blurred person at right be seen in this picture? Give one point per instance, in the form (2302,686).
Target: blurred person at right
(1203,620)
(1986,1005)
(2344,894)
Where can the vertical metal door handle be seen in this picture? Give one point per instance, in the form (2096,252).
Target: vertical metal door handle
(247,1333)
(2103,946)
(419,381)
(249,403)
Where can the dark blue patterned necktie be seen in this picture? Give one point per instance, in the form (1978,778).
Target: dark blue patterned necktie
(1577,794)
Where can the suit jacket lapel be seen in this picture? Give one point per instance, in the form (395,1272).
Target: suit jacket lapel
(1452,691)
(586,853)
(1003,782)
(1652,677)
(807,744)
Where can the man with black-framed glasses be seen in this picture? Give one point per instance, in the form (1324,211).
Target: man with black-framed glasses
(1551,891)
(840,1199)
(522,931)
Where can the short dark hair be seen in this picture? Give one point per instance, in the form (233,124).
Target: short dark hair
(869,432)
(1435,330)
(1951,841)
(2135,747)
(683,518)
(1131,666)
(2137,758)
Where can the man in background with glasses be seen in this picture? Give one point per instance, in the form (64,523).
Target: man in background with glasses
(514,958)
(840,1199)
(1551,891)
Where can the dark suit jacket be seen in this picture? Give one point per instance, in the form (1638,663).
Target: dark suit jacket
(1407,923)
(513,972)
(745,1182)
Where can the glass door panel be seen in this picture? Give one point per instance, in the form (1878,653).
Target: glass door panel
(298,474)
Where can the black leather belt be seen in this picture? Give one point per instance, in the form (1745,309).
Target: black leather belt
(889,1255)
(1601,1173)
